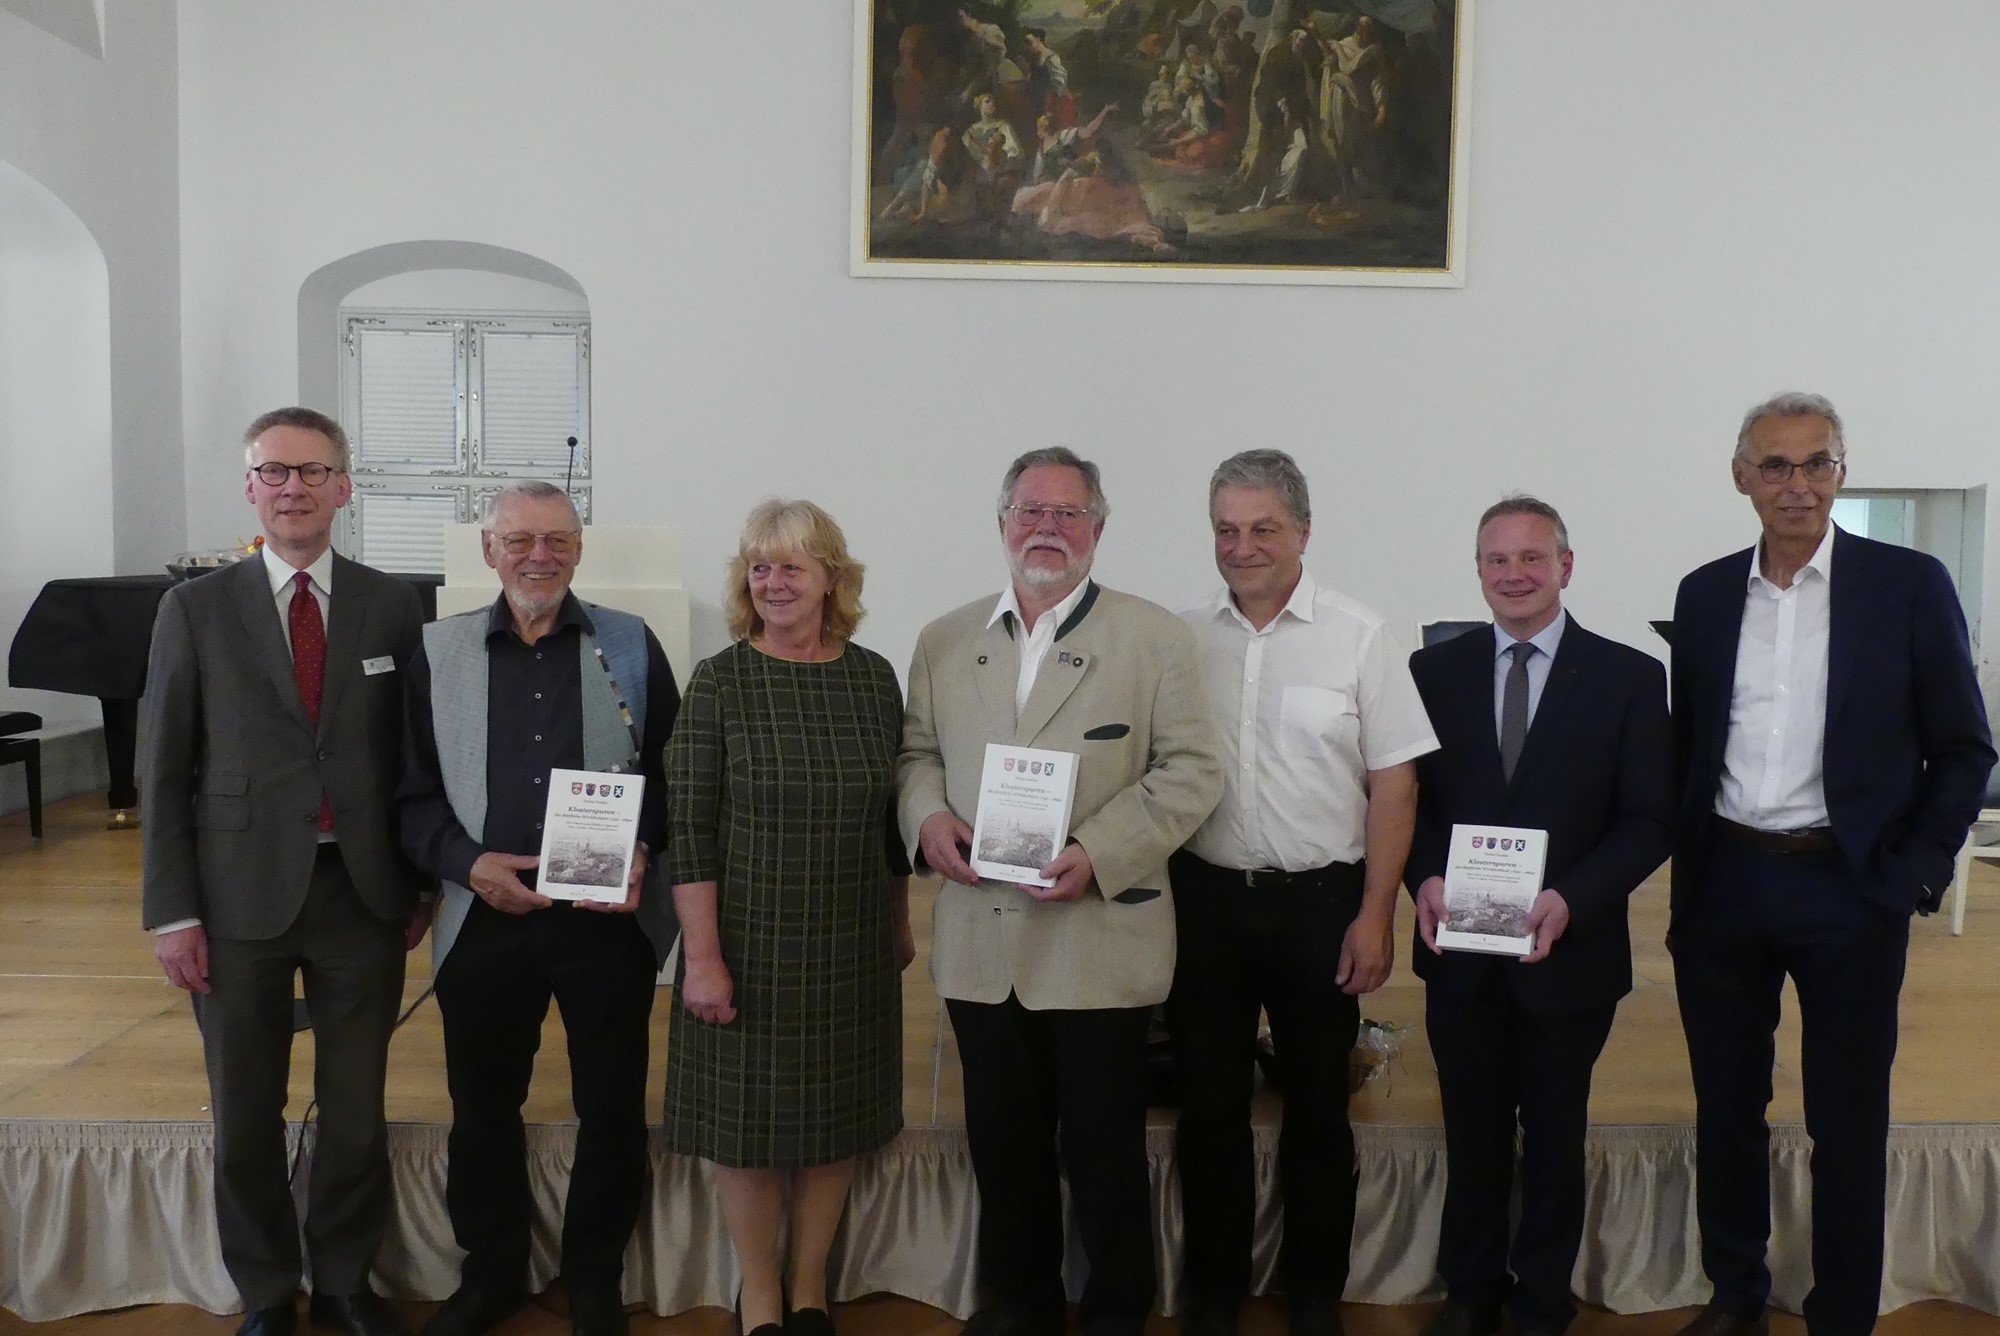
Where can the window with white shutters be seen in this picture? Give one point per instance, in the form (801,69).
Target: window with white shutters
(441,409)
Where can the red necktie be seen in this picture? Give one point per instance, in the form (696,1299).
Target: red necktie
(309,663)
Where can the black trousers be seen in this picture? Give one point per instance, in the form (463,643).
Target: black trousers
(1756,918)
(1036,1081)
(493,992)
(1245,950)
(351,963)
(1496,1064)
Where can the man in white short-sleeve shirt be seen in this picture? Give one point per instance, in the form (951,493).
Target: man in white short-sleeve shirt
(1285,898)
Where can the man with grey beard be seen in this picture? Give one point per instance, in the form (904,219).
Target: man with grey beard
(495,700)
(1049,988)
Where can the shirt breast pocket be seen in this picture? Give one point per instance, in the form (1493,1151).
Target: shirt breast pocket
(1313,721)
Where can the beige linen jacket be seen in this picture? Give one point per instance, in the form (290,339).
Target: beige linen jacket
(1121,688)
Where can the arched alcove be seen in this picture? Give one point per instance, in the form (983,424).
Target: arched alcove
(454,365)
(321,294)
(55,407)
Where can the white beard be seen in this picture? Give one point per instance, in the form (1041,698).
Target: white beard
(1070,574)
(529,606)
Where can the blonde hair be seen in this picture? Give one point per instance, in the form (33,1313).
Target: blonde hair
(778,528)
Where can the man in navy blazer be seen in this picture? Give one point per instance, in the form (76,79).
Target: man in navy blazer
(1830,750)
(1543,725)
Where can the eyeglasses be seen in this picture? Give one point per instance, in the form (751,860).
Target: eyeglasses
(1067,517)
(560,543)
(274,474)
(1817,469)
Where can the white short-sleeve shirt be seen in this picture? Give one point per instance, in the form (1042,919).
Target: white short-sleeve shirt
(1306,708)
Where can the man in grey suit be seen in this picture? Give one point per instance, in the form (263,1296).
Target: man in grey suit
(273,737)
(1050,988)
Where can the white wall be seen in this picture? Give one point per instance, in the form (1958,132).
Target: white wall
(1675,209)
(90,407)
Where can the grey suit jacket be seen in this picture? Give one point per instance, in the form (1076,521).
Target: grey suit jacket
(231,770)
(1121,688)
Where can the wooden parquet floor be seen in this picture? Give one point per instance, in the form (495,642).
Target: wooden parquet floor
(90,1031)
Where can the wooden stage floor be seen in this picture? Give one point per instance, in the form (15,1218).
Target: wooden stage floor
(93,1033)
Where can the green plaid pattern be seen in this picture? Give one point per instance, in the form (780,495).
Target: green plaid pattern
(783,780)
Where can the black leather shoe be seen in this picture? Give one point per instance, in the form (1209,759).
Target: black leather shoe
(1007,1320)
(359,1314)
(1316,1315)
(1713,1321)
(597,1310)
(281,1320)
(809,1322)
(1457,1319)
(1210,1320)
(474,1310)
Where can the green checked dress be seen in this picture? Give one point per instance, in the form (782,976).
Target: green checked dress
(782,777)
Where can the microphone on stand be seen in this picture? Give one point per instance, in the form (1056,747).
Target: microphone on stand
(571,471)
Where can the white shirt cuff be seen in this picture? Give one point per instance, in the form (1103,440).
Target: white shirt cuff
(176,926)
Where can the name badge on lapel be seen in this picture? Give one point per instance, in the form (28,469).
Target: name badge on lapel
(384,663)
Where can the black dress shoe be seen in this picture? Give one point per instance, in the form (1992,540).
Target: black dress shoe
(281,1320)
(1011,1320)
(809,1322)
(1210,1320)
(359,1314)
(1713,1321)
(1316,1315)
(474,1310)
(1457,1319)
(1117,1324)
(597,1310)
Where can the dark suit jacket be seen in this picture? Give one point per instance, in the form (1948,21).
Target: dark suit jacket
(1594,773)
(1907,747)
(231,769)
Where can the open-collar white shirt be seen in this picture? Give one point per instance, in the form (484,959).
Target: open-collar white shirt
(1772,776)
(1035,645)
(1306,707)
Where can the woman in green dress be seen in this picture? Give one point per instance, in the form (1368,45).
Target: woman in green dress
(784,1061)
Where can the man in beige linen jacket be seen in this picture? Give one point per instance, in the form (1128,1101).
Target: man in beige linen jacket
(1049,989)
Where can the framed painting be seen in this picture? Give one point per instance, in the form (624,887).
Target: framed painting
(1208,141)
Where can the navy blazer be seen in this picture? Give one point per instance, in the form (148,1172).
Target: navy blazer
(1907,747)
(1594,772)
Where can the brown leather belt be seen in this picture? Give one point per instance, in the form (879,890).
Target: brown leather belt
(1813,840)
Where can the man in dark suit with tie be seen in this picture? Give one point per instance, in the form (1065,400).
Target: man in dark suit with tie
(1541,725)
(273,735)
(1830,750)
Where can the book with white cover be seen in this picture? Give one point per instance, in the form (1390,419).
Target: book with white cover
(588,833)
(1023,817)
(1491,878)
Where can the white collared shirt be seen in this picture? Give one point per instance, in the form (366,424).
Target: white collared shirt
(1545,642)
(1771,762)
(283,587)
(1035,645)
(1307,707)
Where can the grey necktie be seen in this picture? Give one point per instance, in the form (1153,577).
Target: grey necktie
(1514,708)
